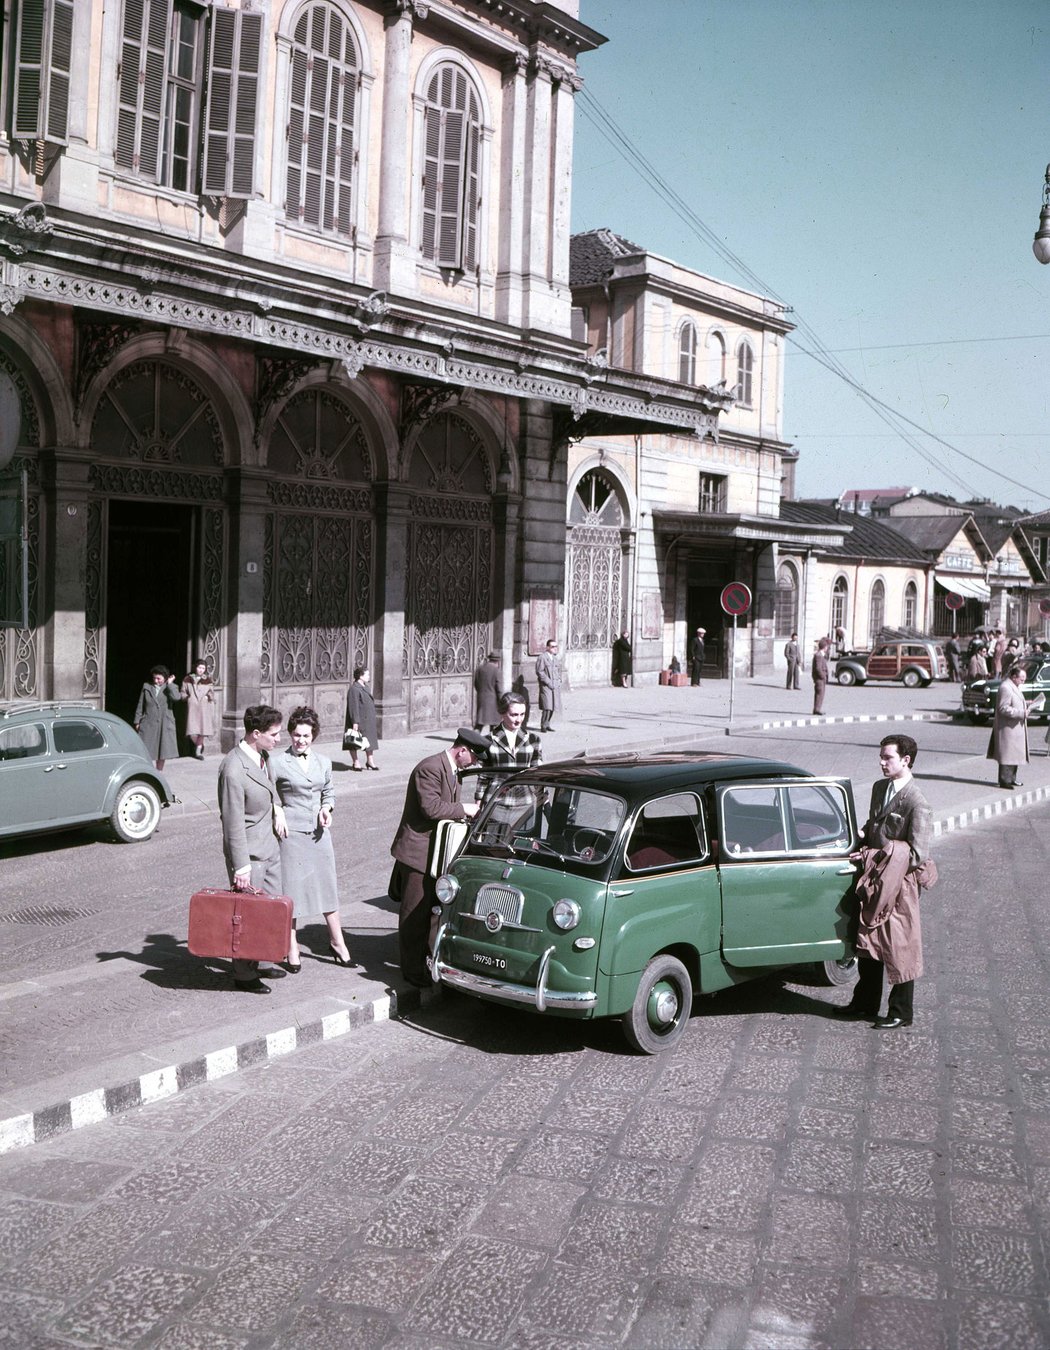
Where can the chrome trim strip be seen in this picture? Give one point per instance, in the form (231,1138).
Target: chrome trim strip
(435,972)
(507,923)
(541,980)
(516,993)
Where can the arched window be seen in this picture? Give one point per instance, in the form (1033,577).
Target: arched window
(716,359)
(595,574)
(787,600)
(451,170)
(876,611)
(911,605)
(687,354)
(745,362)
(839,603)
(322,108)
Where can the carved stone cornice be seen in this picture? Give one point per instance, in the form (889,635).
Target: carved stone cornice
(416,11)
(26,230)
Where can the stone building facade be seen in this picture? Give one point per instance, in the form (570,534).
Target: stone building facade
(660,522)
(285,298)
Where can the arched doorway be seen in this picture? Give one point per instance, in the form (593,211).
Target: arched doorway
(156,547)
(595,577)
(448,583)
(319,579)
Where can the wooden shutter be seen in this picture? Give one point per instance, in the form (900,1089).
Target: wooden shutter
(43,56)
(472,198)
(296,134)
(431,180)
(450,198)
(234,55)
(140,84)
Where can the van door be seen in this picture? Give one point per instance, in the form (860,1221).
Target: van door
(785,871)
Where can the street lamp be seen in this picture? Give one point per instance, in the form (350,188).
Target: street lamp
(1041,242)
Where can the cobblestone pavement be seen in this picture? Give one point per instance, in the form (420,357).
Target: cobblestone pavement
(479,1177)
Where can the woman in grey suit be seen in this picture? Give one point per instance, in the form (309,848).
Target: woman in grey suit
(304,784)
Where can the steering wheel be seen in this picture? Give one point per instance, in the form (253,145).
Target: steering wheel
(585,843)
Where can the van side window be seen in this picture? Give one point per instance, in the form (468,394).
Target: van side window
(667,833)
(751,821)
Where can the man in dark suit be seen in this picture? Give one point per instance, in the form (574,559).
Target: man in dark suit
(433,794)
(252,820)
(696,657)
(487,692)
(819,672)
(898,811)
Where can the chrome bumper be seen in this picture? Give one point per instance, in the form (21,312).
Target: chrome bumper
(538,995)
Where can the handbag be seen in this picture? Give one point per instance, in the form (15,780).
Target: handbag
(355,740)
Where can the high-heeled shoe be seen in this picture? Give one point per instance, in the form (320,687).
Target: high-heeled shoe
(348,960)
(375,767)
(293,967)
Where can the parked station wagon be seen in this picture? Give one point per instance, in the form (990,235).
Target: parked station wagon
(622,886)
(913,662)
(67,764)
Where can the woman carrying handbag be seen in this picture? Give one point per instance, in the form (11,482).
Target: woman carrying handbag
(360,732)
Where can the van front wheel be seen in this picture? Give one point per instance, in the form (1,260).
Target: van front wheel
(660,1013)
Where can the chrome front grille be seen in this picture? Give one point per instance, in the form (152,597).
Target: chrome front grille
(507,901)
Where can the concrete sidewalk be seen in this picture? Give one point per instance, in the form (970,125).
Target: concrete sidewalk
(135,1055)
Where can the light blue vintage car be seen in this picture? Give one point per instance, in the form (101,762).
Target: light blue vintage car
(68,764)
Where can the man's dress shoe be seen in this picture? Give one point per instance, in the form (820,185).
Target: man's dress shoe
(891,1023)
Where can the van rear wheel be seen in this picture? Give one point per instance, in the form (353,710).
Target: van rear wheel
(843,971)
(662,1006)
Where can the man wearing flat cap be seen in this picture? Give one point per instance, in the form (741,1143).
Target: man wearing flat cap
(432,795)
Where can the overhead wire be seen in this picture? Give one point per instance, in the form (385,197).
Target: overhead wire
(615,135)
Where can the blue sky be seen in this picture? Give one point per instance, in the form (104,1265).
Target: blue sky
(879,165)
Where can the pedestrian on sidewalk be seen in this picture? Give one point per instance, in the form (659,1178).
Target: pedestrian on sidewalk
(488,690)
(548,673)
(198,689)
(433,794)
(696,657)
(895,867)
(154,719)
(360,725)
(1008,744)
(623,661)
(252,820)
(820,676)
(303,777)
(793,656)
(954,654)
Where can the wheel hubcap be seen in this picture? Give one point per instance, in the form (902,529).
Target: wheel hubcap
(136,811)
(663,1006)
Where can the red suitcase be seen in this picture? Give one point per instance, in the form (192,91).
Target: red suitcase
(679,681)
(243,924)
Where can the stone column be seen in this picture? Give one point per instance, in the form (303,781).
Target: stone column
(565,88)
(512,194)
(61,590)
(249,507)
(393,268)
(506,515)
(72,179)
(388,681)
(537,168)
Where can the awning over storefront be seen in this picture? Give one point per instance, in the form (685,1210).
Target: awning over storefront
(969,587)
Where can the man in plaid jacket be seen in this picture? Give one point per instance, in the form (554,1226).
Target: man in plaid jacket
(510,748)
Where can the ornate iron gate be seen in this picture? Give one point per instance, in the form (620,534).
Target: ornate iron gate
(448,597)
(595,579)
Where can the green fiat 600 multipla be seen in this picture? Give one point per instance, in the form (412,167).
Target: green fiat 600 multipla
(620,886)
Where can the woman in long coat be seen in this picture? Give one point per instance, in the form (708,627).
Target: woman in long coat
(154,719)
(1009,742)
(361,716)
(303,779)
(198,689)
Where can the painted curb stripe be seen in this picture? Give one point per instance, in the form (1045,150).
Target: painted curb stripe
(91,1107)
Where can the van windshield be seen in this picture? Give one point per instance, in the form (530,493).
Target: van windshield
(568,823)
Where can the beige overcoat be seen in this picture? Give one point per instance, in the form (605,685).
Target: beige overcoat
(1009,740)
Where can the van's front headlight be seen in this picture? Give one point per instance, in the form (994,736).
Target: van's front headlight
(566,914)
(446,888)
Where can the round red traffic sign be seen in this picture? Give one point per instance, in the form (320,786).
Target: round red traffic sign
(1044,607)
(953,601)
(736,598)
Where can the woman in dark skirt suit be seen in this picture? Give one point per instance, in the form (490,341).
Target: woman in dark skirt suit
(303,779)
(361,716)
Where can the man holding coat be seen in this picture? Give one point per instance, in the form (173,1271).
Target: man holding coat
(1009,742)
